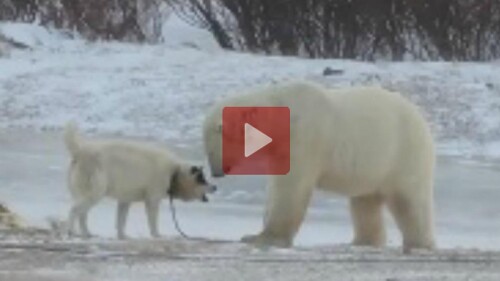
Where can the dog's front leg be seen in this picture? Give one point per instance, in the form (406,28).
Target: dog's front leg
(73,216)
(121,219)
(152,210)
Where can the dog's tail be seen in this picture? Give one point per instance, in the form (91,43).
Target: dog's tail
(71,138)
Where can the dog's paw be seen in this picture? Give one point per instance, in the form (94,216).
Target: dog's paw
(122,236)
(157,236)
(86,235)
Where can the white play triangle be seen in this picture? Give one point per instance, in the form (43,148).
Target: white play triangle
(254,140)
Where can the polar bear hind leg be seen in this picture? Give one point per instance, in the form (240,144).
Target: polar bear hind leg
(367,217)
(413,214)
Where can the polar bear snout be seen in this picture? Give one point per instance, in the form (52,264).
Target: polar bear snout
(217,173)
(215,166)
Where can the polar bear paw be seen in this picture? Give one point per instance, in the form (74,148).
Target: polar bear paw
(263,241)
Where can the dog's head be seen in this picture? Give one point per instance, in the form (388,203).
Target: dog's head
(189,183)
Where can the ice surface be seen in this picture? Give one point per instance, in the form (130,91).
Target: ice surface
(33,179)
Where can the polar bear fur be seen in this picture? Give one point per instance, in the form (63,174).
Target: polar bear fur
(366,143)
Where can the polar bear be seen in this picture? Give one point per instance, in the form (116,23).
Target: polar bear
(366,143)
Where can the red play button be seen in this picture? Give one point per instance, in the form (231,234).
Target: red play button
(256,140)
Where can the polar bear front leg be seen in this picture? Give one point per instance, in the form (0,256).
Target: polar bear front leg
(367,217)
(121,219)
(286,207)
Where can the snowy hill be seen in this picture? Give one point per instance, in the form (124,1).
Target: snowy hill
(163,91)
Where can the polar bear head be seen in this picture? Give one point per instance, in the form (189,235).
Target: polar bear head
(213,135)
(263,96)
(212,127)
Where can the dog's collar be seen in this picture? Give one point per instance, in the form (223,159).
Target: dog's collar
(174,183)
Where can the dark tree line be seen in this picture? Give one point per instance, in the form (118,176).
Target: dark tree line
(128,20)
(357,29)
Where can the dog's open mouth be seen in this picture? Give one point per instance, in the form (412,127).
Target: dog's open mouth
(174,193)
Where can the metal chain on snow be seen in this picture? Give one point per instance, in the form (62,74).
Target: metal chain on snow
(176,222)
(182,233)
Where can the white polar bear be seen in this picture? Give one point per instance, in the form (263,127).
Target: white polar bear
(366,143)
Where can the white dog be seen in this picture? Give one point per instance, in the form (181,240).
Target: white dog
(128,172)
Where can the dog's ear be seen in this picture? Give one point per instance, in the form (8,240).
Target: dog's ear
(193,170)
(196,170)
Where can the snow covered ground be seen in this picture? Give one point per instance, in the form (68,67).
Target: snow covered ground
(161,92)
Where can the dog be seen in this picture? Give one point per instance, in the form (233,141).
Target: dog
(128,171)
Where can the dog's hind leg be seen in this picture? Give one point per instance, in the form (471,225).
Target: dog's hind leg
(121,219)
(92,187)
(87,186)
(79,211)
(152,209)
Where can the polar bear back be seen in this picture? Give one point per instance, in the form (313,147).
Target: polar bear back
(377,138)
(353,140)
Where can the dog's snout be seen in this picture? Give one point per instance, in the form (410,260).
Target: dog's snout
(209,188)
